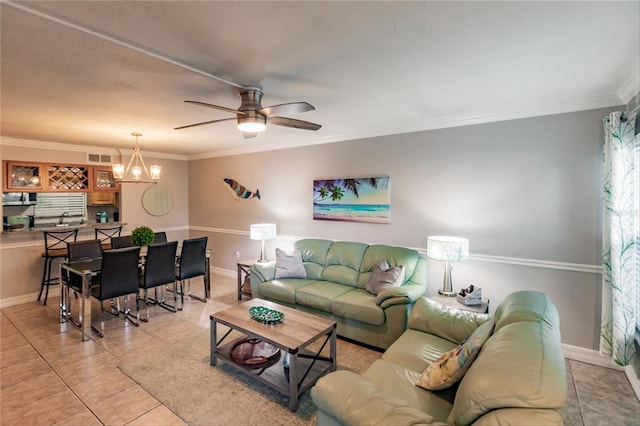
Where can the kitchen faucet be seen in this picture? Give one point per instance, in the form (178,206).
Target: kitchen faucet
(62,216)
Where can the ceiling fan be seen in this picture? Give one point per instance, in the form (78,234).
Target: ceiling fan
(253,118)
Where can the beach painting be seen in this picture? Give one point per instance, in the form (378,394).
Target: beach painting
(353,199)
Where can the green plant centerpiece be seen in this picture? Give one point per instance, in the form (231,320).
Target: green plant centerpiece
(142,236)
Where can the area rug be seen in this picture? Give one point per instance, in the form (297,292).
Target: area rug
(179,375)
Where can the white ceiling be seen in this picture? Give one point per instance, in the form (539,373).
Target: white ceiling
(90,73)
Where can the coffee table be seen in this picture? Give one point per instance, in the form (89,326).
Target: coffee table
(292,336)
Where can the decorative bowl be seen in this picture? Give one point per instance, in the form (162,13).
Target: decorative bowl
(265,315)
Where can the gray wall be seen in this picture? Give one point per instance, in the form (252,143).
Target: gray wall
(525,192)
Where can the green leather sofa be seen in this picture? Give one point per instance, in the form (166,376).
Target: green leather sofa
(336,275)
(518,377)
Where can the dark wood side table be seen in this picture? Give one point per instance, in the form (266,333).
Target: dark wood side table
(244,270)
(451,302)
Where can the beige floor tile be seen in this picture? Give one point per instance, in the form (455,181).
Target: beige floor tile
(103,386)
(12,341)
(87,368)
(160,415)
(70,353)
(23,371)
(125,406)
(601,399)
(7,329)
(605,377)
(82,418)
(18,354)
(45,411)
(14,397)
(49,329)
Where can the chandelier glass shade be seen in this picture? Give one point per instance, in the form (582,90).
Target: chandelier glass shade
(136,171)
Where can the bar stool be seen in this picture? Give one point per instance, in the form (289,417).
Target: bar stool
(105,235)
(55,247)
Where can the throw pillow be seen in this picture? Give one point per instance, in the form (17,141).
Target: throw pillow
(383,277)
(452,365)
(289,266)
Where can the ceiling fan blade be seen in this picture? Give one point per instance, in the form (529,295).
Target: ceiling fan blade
(221,108)
(249,135)
(286,109)
(291,122)
(203,123)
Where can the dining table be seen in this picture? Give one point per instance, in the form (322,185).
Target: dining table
(87,269)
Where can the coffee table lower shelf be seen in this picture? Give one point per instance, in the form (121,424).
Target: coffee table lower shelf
(305,366)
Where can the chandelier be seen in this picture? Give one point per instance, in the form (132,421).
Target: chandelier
(135,168)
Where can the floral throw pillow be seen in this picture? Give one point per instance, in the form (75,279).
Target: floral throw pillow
(383,277)
(451,366)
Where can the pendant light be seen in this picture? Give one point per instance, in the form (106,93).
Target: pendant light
(133,173)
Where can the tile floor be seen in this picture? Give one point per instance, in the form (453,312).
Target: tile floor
(49,376)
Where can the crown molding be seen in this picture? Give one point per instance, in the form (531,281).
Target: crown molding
(34,144)
(558,106)
(630,88)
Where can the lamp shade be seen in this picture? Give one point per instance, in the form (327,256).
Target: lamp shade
(263,231)
(448,249)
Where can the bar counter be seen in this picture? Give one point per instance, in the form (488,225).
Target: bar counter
(28,236)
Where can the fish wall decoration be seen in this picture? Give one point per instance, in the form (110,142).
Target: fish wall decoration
(239,191)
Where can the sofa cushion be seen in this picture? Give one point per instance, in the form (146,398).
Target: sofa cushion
(383,276)
(282,290)
(359,305)
(400,382)
(526,367)
(343,263)
(526,305)
(452,324)
(314,255)
(289,265)
(393,255)
(320,294)
(415,350)
(452,365)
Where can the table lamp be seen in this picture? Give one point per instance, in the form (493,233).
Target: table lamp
(447,249)
(263,231)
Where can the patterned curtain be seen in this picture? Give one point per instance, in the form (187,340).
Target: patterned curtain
(621,238)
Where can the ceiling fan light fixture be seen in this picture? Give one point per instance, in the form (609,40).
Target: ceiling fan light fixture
(253,124)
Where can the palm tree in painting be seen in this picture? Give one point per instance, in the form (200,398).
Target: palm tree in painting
(334,189)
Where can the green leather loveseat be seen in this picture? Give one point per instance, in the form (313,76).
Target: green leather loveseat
(518,377)
(336,273)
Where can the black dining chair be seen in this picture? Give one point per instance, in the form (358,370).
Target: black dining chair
(192,263)
(78,250)
(160,237)
(159,270)
(104,234)
(119,276)
(55,247)
(121,242)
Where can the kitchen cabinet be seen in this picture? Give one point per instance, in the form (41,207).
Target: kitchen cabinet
(103,198)
(103,180)
(23,176)
(67,178)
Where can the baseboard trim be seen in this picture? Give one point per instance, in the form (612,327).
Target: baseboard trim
(633,379)
(589,356)
(18,300)
(224,272)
